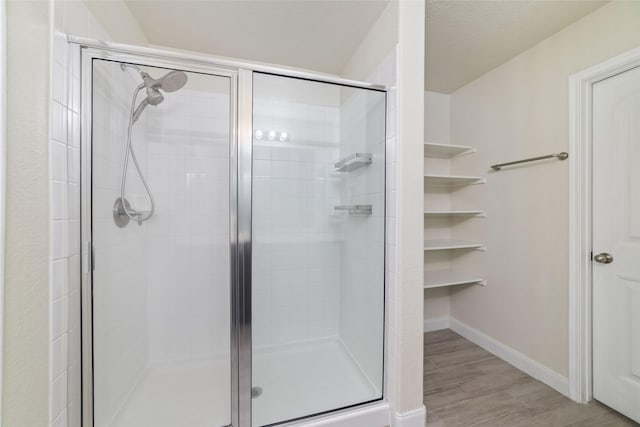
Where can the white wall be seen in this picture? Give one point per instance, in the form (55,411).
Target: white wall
(437,118)
(517,110)
(410,184)
(375,46)
(26,302)
(112,16)
(3,171)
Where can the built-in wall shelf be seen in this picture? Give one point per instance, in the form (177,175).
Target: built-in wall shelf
(442,278)
(457,213)
(446,151)
(353,162)
(452,180)
(443,245)
(436,187)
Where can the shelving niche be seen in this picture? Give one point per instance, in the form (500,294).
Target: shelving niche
(436,184)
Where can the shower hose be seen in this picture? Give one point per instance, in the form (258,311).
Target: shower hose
(132,213)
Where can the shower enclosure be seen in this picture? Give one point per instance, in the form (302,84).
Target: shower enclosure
(233,220)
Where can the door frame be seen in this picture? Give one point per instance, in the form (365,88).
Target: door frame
(580,218)
(239,237)
(241,76)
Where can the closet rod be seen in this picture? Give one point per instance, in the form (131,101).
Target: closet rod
(559,156)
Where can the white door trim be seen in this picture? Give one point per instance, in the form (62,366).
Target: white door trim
(580,227)
(3,171)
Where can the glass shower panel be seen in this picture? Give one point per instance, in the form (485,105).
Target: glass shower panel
(318,247)
(161,279)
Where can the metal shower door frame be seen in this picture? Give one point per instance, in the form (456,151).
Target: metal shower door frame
(240,227)
(240,181)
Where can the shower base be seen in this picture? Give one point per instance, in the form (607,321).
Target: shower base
(304,379)
(296,380)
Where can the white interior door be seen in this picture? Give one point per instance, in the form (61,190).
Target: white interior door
(616,242)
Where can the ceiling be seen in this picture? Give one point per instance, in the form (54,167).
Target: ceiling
(464,39)
(318,35)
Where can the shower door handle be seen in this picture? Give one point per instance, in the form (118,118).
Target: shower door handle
(88,257)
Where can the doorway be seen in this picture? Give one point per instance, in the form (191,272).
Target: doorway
(604,326)
(616,238)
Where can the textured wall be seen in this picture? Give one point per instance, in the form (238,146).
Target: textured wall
(517,110)
(25,382)
(410,302)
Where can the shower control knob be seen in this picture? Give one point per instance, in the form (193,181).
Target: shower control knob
(603,258)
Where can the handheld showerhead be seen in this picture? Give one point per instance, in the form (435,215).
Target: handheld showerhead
(154,97)
(170,82)
(173,81)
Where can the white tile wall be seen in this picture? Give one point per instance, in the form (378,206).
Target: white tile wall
(188,255)
(135,284)
(385,73)
(120,302)
(124,265)
(70,17)
(65,242)
(292,230)
(296,234)
(362,291)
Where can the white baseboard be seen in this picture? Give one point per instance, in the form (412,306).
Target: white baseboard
(514,357)
(415,418)
(436,324)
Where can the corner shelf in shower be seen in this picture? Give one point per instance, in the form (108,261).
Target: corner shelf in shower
(442,278)
(446,244)
(353,162)
(446,151)
(355,209)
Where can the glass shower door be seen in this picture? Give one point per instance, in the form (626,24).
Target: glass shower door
(318,221)
(160,218)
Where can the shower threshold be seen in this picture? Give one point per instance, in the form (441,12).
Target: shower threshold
(296,380)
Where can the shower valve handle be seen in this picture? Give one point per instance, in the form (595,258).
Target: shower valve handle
(123,212)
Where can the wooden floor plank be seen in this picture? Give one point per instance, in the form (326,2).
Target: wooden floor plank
(464,385)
